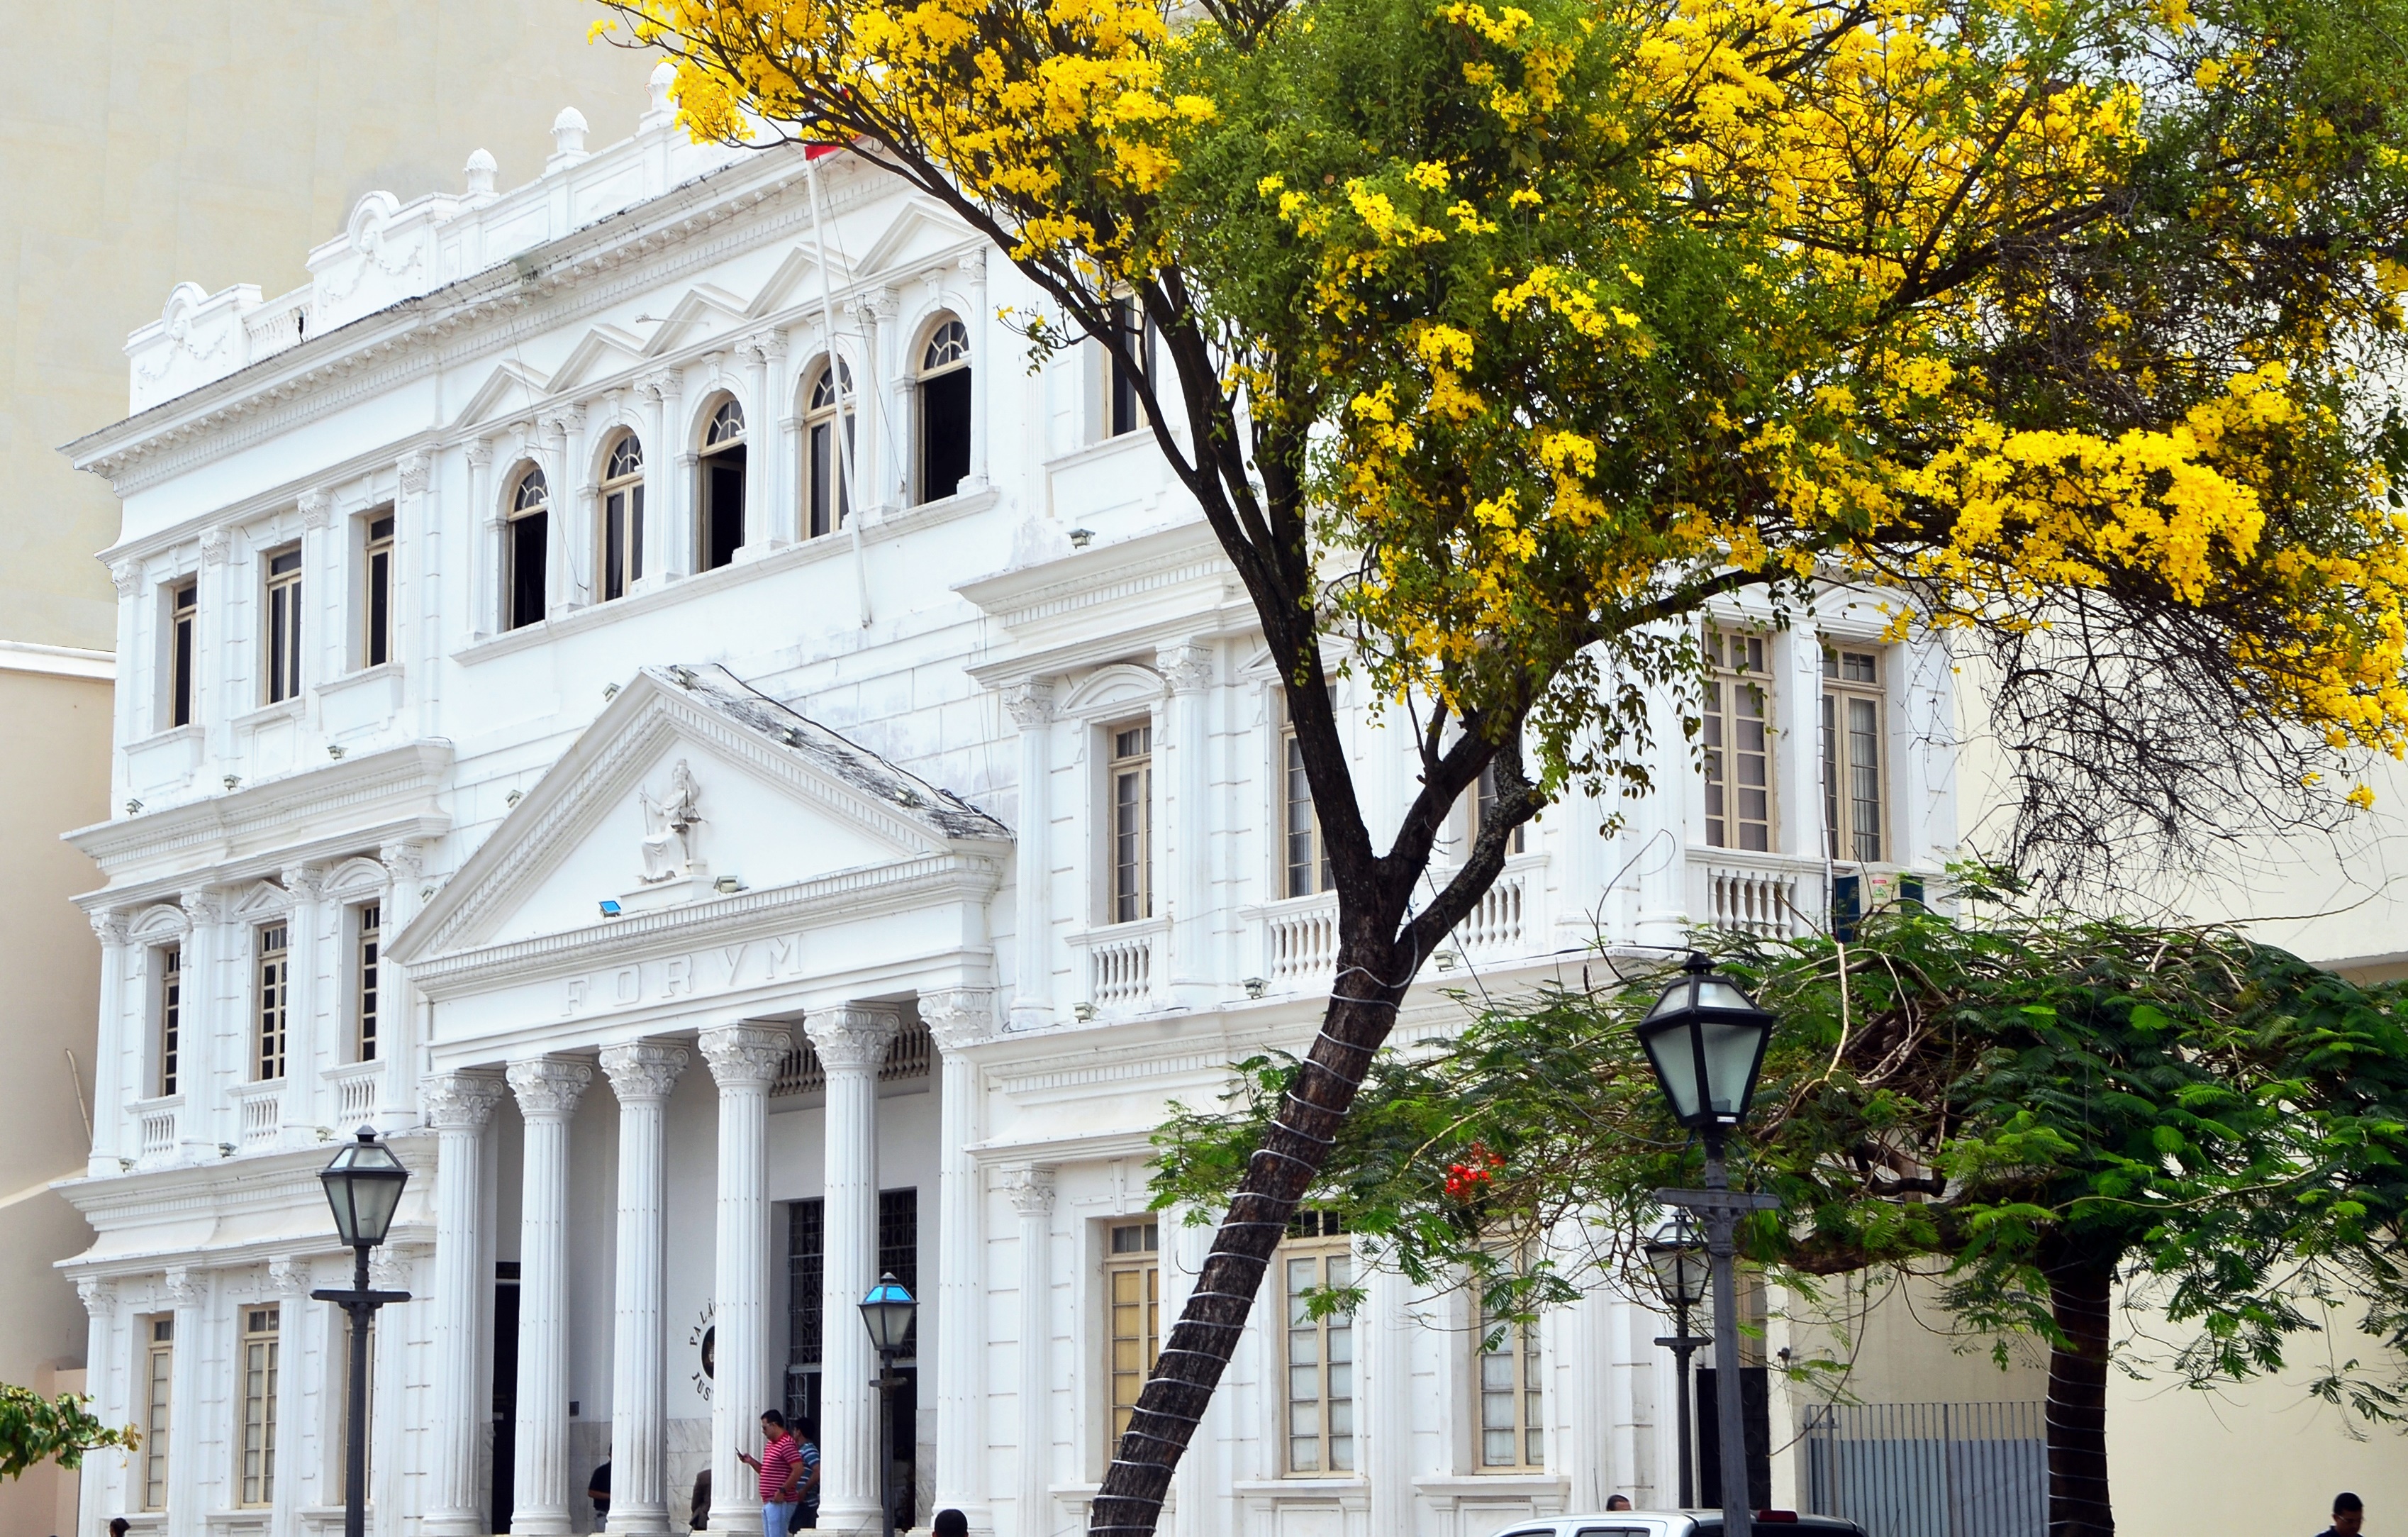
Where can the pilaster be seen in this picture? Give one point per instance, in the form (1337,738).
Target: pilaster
(1030,1188)
(1195,976)
(1030,704)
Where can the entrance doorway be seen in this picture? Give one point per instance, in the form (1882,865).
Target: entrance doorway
(505,1392)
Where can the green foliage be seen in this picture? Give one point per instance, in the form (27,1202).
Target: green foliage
(2225,1123)
(34,1430)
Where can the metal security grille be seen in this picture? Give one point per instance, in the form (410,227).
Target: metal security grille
(899,1250)
(806,1269)
(1931,1470)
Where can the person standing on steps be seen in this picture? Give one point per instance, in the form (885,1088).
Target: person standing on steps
(780,1467)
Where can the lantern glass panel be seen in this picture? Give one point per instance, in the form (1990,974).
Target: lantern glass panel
(1676,1068)
(1731,1047)
(887,1312)
(364,1184)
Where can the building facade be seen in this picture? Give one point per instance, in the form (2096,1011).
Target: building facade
(631,686)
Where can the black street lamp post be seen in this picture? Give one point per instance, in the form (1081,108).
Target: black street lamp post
(887,1312)
(363,1186)
(1705,1038)
(1679,1261)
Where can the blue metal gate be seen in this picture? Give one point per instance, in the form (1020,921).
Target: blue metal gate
(1931,1470)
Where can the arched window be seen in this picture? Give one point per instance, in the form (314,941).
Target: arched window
(526,546)
(831,499)
(944,411)
(723,486)
(622,516)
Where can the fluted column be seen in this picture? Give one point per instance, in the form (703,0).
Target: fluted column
(188,1294)
(486,580)
(548,1088)
(1031,704)
(311,1047)
(641,1075)
(113,1406)
(1032,1198)
(109,1062)
(744,1063)
(852,1042)
(958,1019)
(973,269)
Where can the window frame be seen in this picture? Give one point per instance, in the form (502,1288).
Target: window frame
(820,518)
(377,612)
(1139,1266)
(367,962)
(280,622)
(1317,1242)
(158,1408)
(1129,883)
(271,1014)
(1317,878)
(725,449)
(1479,802)
(619,517)
(534,513)
(1525,1359)
(940,332)
(1846,840)
(1723,725)
(1119,411)
(258,1364)
(167,1002)
(180,700)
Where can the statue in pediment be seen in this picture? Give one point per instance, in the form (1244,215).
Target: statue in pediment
(669,822)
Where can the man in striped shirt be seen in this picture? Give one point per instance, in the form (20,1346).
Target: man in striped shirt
(782,1475)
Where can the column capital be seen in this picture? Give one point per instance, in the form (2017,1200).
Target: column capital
(958,1016)
(414,470)
(214,544)
(1031,1187)
(390,1266)
(745,1055)
(480,452)
(288,1274)
(127,576)
(403,861)
(183,1288)
(549,1085)
(317,507)
(1029,702)
(1187,666)
(304,882)
(854,1035)
(460,1101)
(97,1293)
(200,907)
(643,1072)
(109,927)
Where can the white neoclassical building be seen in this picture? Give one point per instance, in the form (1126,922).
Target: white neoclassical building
(724,887)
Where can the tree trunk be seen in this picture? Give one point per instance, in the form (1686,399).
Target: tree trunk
(2079,1292)
(1361,1010)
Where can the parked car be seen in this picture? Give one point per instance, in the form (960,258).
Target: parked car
(1679,1523)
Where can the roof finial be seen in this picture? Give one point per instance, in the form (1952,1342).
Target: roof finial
(568,140)
(663,111)
(480,171)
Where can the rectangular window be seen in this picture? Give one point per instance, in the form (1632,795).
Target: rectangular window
(529,536)
(1124,410)
(183,606)
(365,960)
(806,1272)
(1307,863)
(259,1352)
(1512,1404)
(282,646)
(158,1375)
(376,642)
(171,1016)
(275,976)
(1484,806)
(1738,760)
(1133,1285)
(1851,754)
(898,1251)
(1132,791)
(1320,1350)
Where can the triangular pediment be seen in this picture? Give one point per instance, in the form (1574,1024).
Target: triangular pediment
(706,310)
(688,788)
(603,350)
(923,230)
(796,282)
(513,389)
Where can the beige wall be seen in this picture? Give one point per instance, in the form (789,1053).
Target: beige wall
(54,768)
(150,142)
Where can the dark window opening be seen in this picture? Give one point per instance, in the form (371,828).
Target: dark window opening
(944,412)
(183,606)
(723,486)
(284,639)
(378,648)
(529,547)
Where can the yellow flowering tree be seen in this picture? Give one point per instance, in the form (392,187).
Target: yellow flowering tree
(1507,337)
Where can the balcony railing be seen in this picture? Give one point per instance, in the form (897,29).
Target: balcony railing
(1123,962)
(157,1122)
(1498,923)
(262,1108)
(1771,896)
(359,1096)
(1300,942)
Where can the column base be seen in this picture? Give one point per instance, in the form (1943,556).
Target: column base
(640,1521)
(455,1523)
(852,1519)
(540,1522)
